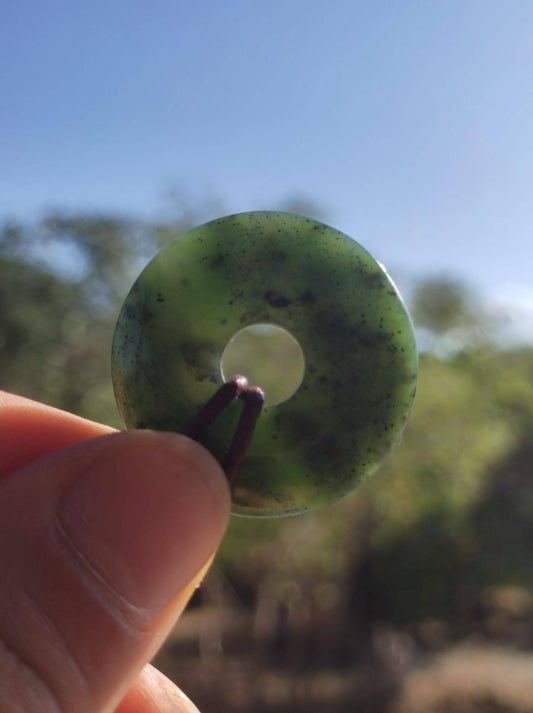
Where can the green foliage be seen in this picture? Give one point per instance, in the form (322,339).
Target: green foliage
(62,282)
(450,317)
(48,338)
(456,432)
(442,304)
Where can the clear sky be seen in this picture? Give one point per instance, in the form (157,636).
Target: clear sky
(409,122)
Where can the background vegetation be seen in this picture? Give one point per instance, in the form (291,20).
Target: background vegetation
(414,593)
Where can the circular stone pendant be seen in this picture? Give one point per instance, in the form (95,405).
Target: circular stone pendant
(263,273)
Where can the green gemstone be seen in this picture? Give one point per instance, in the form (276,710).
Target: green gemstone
(330,294)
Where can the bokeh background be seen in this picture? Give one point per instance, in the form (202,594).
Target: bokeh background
(407,125)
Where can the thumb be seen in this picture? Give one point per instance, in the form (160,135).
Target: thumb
(101,545)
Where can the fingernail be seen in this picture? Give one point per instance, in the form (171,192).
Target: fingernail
(168,696)
(146,515)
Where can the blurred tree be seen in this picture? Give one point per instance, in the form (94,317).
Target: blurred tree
(62,281)
(449,316)
(302,205)
(42,319)
(442,304)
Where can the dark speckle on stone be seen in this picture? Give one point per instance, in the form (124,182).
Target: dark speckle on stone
(278,256)
(160,297)
(308,297)
(276,300)
(374,279)
(146,314)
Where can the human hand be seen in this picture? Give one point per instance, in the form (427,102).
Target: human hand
(103,538)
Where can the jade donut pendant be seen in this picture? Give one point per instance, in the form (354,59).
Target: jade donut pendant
(268,268)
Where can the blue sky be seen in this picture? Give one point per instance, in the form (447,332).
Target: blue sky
(409,122)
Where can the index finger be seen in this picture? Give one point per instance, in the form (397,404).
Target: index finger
(29,430)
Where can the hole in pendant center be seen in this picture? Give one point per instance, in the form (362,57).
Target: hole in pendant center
(269,357)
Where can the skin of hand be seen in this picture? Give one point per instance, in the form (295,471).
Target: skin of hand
(104,537)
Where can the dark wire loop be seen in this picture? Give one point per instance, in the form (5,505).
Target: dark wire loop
(254,400)
(229,391)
